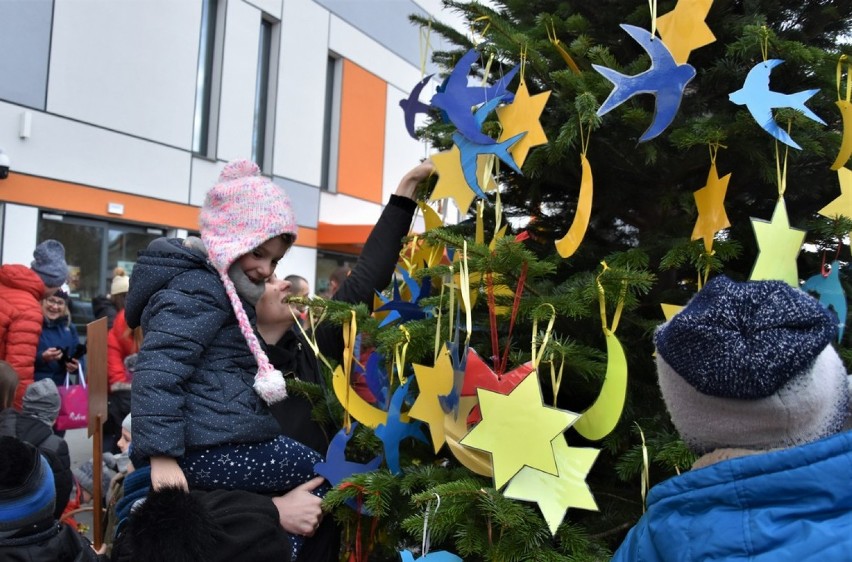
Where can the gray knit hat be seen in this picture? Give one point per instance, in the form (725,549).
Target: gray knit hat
(750,365)
(49,263)
(41,401)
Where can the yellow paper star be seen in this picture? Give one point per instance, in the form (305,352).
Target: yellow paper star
(710,201)
(517,429)
(433,382)
(683,29)
(451,182)
(455,427)
(842,206)
(779,246)
(555,494)
(522,116)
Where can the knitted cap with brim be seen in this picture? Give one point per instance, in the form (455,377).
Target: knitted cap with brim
(239,214)
(750,365)
(27,492)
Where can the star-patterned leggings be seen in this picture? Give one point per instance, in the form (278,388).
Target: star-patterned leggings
(268,467)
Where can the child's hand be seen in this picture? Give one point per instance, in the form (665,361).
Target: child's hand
(299,511)
(165,473)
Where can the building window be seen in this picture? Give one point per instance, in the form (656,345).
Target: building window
(331,124)
(208,80)
(264,98)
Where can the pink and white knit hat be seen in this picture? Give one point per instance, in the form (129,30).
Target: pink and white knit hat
(240,213)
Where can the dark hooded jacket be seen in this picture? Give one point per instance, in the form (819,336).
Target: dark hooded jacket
(192,386)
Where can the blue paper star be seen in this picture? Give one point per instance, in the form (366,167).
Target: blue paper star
(438,556)
(457,99)
(665,80)
(831,294)
(412,105)
(396,430)
(760,100)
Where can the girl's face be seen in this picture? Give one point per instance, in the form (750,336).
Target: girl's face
(53,307)
(273,306)
(259,264)
(124,442)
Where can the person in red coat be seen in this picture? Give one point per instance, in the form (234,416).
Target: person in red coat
(21,290)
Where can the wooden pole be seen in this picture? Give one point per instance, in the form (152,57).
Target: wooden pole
(96,365)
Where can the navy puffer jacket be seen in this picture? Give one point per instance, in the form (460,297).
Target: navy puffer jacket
(192,386)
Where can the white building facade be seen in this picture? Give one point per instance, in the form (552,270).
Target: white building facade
(117,116)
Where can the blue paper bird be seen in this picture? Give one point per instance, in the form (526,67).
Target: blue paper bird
(377,379)
(335,468)
(396,430)
(831,294)
(450,402)
(457,99)
(760,100)
(437,556)
(412,105)
(402,309)
(470,151)
(665,79)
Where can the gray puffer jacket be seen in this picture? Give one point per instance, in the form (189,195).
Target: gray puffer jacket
(192,387)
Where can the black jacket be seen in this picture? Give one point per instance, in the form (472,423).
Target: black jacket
(54,448)
(293,356)
(57,543)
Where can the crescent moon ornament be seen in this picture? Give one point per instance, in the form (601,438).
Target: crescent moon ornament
(568,244)
(601,418)
(455,428)
(357,407)
(846,140)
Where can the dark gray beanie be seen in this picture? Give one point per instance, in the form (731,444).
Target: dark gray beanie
(41,400)
(750,365)
(49,263)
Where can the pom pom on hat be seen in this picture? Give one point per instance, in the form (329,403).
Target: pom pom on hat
(241,212)
(750,365)
(49,263)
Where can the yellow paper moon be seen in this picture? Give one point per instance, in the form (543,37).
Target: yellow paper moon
(567,245)
(846,142)
(455,428)
(357,407)
(601,418)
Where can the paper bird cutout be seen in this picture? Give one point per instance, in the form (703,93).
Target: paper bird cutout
(470,152)
(436,556)
(406,310)
(842,206)
(452,182)
(412,105)
(760,101)
(335,468)
(568,244)
(683,29)
(518,430)
(555,494)
(457,99)
(376,378)
(522,116)
(602,416)
(450,401)
(779,247)
(830,294)
(433,382)
(455,428)
(665,79)
(710,201)
(479,375)
(397,428)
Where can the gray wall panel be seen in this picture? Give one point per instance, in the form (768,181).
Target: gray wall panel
(305,199)
(25,27)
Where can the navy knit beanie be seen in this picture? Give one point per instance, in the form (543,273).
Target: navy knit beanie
(751,365)
(27,492)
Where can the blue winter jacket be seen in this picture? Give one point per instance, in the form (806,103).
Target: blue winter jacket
(60,334)
(789,505)
(192,386)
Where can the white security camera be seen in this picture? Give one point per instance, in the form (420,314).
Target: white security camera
(4,165)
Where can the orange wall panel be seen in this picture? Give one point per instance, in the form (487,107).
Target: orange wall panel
(362,134)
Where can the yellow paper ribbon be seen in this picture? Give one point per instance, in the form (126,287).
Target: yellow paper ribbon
(425,46)
(399,353)
(350,333)
(464,280)
(845,106)
(557,44)
(646,471)
(652,4)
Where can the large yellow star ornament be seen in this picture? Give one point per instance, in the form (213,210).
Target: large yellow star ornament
(555,494)
(683,29)
(710,201)
(433,382)
(522,116)
(451,182)
(779,247)
(518,430)
(842,206)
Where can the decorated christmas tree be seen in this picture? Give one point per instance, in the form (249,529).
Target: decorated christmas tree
(610,156)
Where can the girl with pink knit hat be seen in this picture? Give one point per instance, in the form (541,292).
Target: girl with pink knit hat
(203,383)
